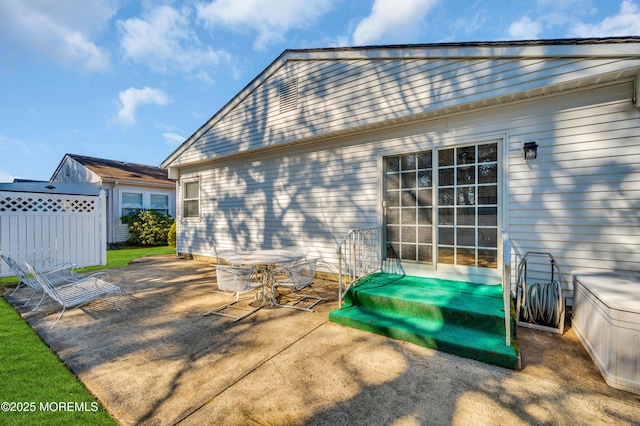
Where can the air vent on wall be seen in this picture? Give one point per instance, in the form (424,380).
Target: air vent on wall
(288,95)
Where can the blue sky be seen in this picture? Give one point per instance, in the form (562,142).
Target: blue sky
(131,80)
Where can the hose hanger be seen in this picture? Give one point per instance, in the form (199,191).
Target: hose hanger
(540,305)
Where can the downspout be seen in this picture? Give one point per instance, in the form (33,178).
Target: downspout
(103,228)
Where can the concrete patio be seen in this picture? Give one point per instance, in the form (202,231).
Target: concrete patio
(158,361)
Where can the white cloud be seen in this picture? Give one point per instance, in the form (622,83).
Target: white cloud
(164,40)
(271,19)
(173,138)
(563,5)
(625,23)
(337,41)
(5,177)
(58,31)
(469,24)
(525,29)
(388,18)
(10,145)
(131,99)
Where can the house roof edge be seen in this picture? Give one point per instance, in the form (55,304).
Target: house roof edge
(573,47)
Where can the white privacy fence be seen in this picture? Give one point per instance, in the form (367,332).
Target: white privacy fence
(65,228)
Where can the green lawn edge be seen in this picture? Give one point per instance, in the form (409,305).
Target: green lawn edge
(36,387)
(115,259)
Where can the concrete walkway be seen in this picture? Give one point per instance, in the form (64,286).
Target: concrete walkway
(160,362)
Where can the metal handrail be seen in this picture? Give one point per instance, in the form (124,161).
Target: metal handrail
(359,254)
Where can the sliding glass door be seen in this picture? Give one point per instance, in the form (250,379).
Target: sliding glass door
(409,207)
(441,206)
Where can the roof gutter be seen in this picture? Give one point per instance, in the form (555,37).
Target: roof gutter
(138,182)
(622,47)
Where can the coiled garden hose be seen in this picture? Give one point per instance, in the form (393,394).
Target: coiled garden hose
(542,303)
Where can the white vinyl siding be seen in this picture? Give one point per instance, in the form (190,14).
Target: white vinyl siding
(72,171)
(579,200)
(277,202)
(339,95)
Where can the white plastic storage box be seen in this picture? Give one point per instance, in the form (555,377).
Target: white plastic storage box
(606,319)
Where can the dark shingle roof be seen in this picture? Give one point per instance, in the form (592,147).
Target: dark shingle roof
(122,170)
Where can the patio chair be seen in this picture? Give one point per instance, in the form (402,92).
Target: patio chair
(57,275)
(76,293)
(298,276)
(235,281)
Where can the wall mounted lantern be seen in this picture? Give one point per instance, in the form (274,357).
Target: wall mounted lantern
(530,150)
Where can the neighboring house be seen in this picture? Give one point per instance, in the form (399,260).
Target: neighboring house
(428,142)
(129,187)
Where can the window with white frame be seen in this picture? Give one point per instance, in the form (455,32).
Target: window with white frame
(132,202)
(159,203)
(191,198)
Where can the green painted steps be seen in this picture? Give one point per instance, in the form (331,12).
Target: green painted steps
(461,318)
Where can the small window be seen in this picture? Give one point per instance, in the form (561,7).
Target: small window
(160,203)
(131,202)
(191,199)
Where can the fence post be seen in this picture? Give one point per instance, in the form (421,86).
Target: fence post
(103,227)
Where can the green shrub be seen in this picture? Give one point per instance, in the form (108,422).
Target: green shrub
(148,227)
(171,235)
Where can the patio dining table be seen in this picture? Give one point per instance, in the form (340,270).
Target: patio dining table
(266,261)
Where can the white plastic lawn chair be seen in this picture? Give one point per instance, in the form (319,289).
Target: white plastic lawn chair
(56,274)
(76,293)
(235,281)
(298,276)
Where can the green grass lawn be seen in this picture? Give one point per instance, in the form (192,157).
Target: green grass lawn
(36,388)
(115,259)
(122,257)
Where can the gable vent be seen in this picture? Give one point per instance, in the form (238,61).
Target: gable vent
(288,95)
